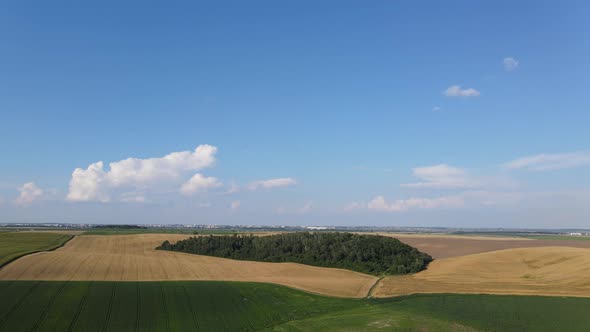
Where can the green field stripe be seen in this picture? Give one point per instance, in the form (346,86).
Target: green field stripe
(81,307)
(191,307)
(6,316)
(94,314)
(32,308)
(240,306)
(48,308)
(64,308)
(4,287)
(123,315)
(165,307)
(138,306)
(180,313)
(110,309)
(151,309)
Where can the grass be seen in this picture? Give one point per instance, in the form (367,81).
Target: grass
(17,244)
(215,306)
(156,306)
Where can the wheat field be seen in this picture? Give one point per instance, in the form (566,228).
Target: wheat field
(558,271)
(133,257)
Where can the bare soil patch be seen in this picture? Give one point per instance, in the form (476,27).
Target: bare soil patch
(132,258)
(558,271)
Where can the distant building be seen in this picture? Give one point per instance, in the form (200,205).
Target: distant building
(317,228)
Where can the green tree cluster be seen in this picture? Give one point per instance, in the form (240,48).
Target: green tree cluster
(377,255)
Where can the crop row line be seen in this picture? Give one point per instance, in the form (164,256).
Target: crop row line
(138,306)
(191,308)
(81,307)
(48,307)
(165,307)
(13,308)
(110,308)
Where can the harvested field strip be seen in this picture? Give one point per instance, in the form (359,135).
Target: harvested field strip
(133,258)
(557,271)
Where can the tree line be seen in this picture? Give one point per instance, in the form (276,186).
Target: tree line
(371,254)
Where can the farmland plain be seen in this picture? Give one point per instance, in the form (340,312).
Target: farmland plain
(232,306)
(120,283)
(133,258)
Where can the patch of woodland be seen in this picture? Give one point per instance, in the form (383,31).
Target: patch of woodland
(371,254)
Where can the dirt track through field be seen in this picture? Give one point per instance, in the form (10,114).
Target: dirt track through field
(445,246)
(132,257)
(559,271)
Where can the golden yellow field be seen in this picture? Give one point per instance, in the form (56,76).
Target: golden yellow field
(535,271)
(132,257)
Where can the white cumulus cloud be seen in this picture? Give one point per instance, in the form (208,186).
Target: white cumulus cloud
(510,63)
(95,183)
(457,91)
(441,176)
(465,199)
(136,171)
(28,193)
(272,183)
(548,162)
(199,183)
(379,203)
(88,184)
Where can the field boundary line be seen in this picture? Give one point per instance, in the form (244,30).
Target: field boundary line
(36,252)
(370,293)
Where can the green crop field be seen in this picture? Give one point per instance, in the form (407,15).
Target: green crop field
(16,244)
(234,306)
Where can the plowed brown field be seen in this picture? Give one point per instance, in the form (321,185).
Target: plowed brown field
(445,246)
(132,257)
(559,271)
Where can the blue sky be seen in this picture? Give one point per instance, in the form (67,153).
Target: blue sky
(388,113)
